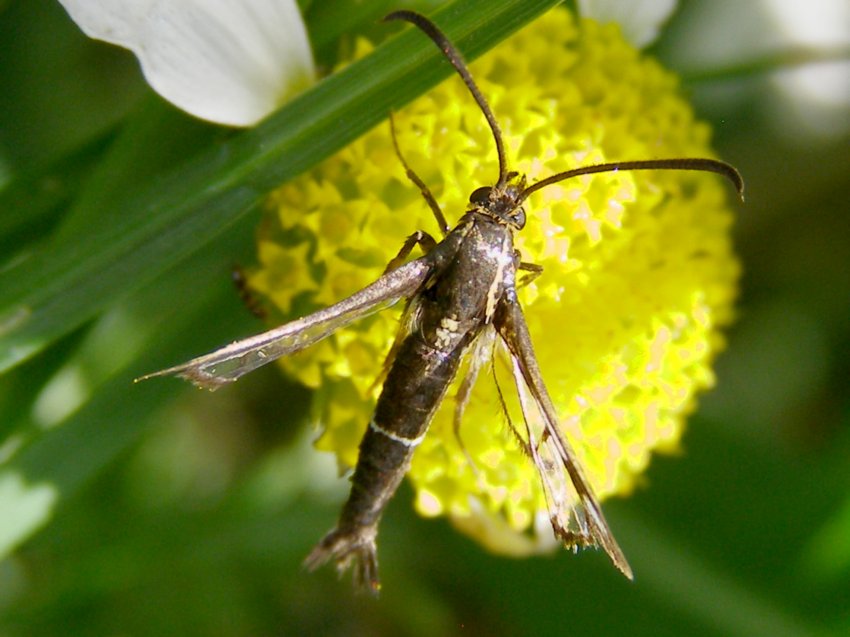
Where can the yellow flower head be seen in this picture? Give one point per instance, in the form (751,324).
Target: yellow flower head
(638,268)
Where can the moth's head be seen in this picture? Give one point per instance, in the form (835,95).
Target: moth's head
(502,203)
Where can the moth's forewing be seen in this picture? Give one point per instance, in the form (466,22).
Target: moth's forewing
(528,426)
(229,363)
(575,512)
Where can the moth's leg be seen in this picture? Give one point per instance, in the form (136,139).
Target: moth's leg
(533,270)
(521,442)
(251,300)
(426,193)
(482,352)
(421,238)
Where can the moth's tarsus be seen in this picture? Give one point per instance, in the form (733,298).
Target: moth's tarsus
(463,289)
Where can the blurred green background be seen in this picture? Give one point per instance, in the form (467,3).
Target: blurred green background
(156,509)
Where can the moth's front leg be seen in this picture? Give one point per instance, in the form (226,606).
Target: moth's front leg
(420,238)
(417,180)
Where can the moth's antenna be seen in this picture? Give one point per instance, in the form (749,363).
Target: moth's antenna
(439,38)
(687,163)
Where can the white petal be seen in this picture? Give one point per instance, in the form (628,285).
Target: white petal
(226,61)
(640,20)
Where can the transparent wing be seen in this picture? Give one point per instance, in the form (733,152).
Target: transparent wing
(229,363)
(574,511)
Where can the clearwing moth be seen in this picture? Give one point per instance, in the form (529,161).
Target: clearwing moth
(462,292)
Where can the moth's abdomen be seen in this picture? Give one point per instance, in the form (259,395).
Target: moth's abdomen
(451,311)
(413,390)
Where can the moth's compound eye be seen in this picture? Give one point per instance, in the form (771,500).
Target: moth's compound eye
(480,196)
(519,218)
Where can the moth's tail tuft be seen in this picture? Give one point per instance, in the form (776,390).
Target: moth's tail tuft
(347,548)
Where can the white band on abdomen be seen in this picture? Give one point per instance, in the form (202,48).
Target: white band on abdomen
(407,442)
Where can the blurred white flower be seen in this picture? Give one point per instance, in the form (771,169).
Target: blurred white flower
(640,20)
(814,95)
(223,61)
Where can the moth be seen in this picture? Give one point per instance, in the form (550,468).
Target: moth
(461,300)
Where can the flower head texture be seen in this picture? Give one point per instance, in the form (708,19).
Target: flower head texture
(638,271)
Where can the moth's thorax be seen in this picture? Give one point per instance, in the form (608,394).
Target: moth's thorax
(463,297)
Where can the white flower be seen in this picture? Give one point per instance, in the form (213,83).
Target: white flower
(640,20)
(226,61)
